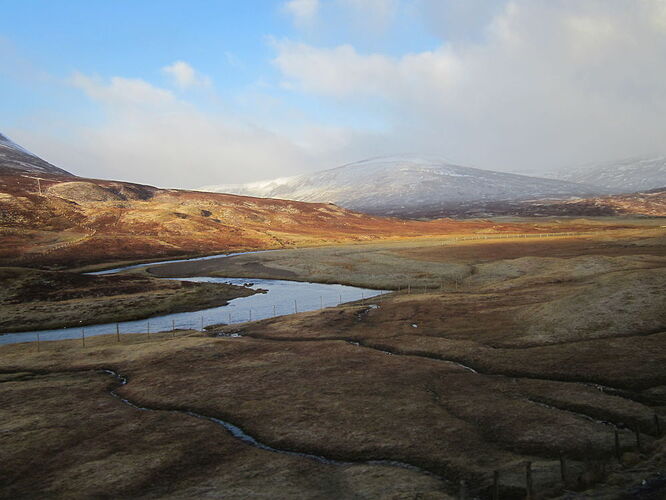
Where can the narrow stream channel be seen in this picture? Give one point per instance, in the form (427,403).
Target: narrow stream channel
(240,434)
(282,297)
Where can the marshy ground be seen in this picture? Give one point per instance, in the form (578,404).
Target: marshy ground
(493,353)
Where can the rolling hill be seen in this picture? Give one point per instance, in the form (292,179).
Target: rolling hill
(67,221)
(622,176)
(408,187)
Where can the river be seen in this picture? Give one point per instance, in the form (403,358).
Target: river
(282,297)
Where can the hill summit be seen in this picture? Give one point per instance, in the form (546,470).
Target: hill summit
(407,186)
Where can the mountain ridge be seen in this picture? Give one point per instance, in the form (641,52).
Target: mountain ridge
(404,185)
(628,175)
(16,158)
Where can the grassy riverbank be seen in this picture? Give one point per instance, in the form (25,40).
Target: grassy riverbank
(447,263)
(35,300)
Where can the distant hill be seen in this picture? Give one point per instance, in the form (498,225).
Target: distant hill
(408,187)
(63,220)
(622,176)
(651,203)
(15,158)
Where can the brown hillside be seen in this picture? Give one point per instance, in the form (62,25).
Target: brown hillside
(77,221)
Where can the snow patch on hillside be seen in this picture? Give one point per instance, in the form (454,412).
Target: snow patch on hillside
(404,183)
(16,157)
(622,176)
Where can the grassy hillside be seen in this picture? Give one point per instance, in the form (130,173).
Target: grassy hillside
(73,221)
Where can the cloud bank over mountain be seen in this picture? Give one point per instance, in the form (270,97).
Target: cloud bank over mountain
(521,85)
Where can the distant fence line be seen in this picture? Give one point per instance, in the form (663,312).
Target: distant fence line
(519,235)
(59,246)
(203,321)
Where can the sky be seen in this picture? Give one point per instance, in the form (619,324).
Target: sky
(191,93)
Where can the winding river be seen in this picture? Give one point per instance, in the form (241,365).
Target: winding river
(282,297)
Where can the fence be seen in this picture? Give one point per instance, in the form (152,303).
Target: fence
(516,235)
(158,328)
(546,478)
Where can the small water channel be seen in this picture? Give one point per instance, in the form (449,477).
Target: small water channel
(281,297)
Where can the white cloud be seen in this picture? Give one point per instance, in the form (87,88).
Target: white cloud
(458,20)
(377,14)
(148,135)
(550,82)
(303,12)
(343,72)
(521,84)
(122,91)
(184,76)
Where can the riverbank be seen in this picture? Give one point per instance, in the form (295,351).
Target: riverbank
(36,300)
(447,263)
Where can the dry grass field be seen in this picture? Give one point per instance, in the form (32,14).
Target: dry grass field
(498,353)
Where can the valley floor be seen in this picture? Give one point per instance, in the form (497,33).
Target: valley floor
(489,354)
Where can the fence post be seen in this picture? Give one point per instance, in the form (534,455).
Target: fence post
(638,439)
(618,451)
(657,425)
(274,314)
(340,296)
(173,328)
(528,481)
(321,302)
(39,347)
(202,323)
(117,332)
(496,485)
(563,469)
(83,337)
(295,307)
(229,318)
(463,490)
(250,314)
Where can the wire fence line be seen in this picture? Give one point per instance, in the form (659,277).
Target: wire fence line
(518,235)
(225,315)
(567,473)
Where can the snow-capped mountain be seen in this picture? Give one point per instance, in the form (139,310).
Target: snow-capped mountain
(407,186)
(623,176)
(15,157)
